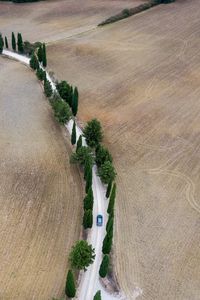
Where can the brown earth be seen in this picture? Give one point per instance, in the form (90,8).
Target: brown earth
(40,192)
(141,78)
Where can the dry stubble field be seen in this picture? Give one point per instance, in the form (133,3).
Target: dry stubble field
(141,78)
(40,192)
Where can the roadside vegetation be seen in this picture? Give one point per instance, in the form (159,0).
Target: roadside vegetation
(127,12)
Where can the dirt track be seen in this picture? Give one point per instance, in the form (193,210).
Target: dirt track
(40,192)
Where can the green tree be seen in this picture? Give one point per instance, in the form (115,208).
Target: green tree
(79,143)
(93,133)
(34,64)
(44,57)
(70,97)
(82,255)
(75,102)
(64,90)
(1,44)
(89,200)
(70,288)
(103,270)
(107,172)
(41,74)
(88,180)
(20,43)
(6,42)
(107,244)
(87,167)
(97,296)
(112,200)
(40,54)
(87,219)
(73,136)
(62,111)
(83,153)
(13,41)
(102,155)
(48,88)
(109,187)
(109,226)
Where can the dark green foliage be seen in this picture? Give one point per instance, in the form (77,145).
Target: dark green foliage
(104,266)
(34,64)
(109,187)
(112,200)
(1,44)
(109,226)
(13,41)
(30,48)
(107,172)
(93,133)
(102,155)
(70,288)
(97,296)
(44,57)
(107,244)
(75,102)
(87,168)
(20,43)
(79,143)
(89,200)
(82,255)
(83,153)
(88,180)
(87,219)
(61,111)
(48,88)
(41,74)
(40,54)
(6,42)
(65,91)
(73,136)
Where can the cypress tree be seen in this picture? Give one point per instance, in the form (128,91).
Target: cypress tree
(89,200)
(112,200)
(41,75)
(44,57)
(79,143)
(13,41)
(20,44)
(70,289)
(109,187)
(70,96)
(6,42)
(40,54)
(87,219)
(97,296)
(34,64)
(109,226)
(48,88)
(87,168)
(107,244)
(1,44)
(88,180)
(103,270)
(75,102)
(73,136)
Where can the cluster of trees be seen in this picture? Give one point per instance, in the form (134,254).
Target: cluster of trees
(16,44)
(69,94)
(81,257)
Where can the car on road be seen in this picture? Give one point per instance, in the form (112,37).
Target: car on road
(99,220)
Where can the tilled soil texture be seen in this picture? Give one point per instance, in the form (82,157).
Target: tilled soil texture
(40,192)
(141,78)
(54,20)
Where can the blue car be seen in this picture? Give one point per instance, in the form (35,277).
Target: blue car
(99,220)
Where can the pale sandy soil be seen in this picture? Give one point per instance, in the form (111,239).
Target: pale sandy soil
(40,192)
(54,20)
(141,78)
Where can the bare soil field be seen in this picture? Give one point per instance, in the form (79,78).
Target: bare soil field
(57,19)
(40,192)
(141,78)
